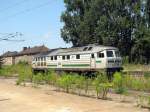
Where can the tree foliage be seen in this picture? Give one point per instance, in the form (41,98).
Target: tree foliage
(117,23)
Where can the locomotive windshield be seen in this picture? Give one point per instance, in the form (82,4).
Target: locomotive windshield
(109,53)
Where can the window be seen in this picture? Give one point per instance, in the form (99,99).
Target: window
(68,57)
(109,54)
(38,59)
(90,48)
(41,58)
(55,57)
(92,56)
(77,56)
(51,57)
(100,55)
(63,57)
(85,48)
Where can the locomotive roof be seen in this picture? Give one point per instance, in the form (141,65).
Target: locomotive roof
(75,50)
(84,50)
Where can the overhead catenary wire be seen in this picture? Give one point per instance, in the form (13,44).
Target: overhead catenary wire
(11,36)
(12,6)
(26,10)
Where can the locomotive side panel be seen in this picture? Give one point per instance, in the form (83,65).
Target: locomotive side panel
(98,58)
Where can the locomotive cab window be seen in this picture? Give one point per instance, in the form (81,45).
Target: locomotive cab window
(100,55)
(77,56)
(109,53)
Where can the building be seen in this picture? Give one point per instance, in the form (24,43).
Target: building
(9,58)
(26,55)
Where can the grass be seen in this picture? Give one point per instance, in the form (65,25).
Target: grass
(136,67)
(78,84)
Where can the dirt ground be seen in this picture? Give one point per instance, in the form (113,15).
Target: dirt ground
(27,99)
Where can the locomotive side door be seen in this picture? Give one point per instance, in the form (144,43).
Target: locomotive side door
(92,59)
(59,62)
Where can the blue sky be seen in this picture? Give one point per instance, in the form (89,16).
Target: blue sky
(38,25)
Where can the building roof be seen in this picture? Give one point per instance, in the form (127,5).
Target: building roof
(9,54)
(33,50)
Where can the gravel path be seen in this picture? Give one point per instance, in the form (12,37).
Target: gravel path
(27,99)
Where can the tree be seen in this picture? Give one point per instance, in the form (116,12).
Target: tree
(148,11)
(107,22)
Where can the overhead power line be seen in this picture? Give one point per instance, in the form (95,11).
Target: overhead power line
(27,10)
(11,37)
(12,6)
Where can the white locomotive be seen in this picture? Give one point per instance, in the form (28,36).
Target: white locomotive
(82,59)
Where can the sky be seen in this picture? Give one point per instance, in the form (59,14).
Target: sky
(38,21)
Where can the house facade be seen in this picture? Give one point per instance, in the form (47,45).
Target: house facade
(8,58)
(26,55)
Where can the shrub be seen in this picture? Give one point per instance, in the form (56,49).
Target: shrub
(21,78)
(38,79)
(118,83)
(79,83)
(88,83)
(52,77)
(24,73)
(105,89)
(138,84)
(65,82)
(100,84)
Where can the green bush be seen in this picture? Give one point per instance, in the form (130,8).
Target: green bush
(100,84)
(88,84)
(65,82)
(79,83)
(52,77)
(138,84)
(38,79)
(105,89)
(24,74)
(118,83)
